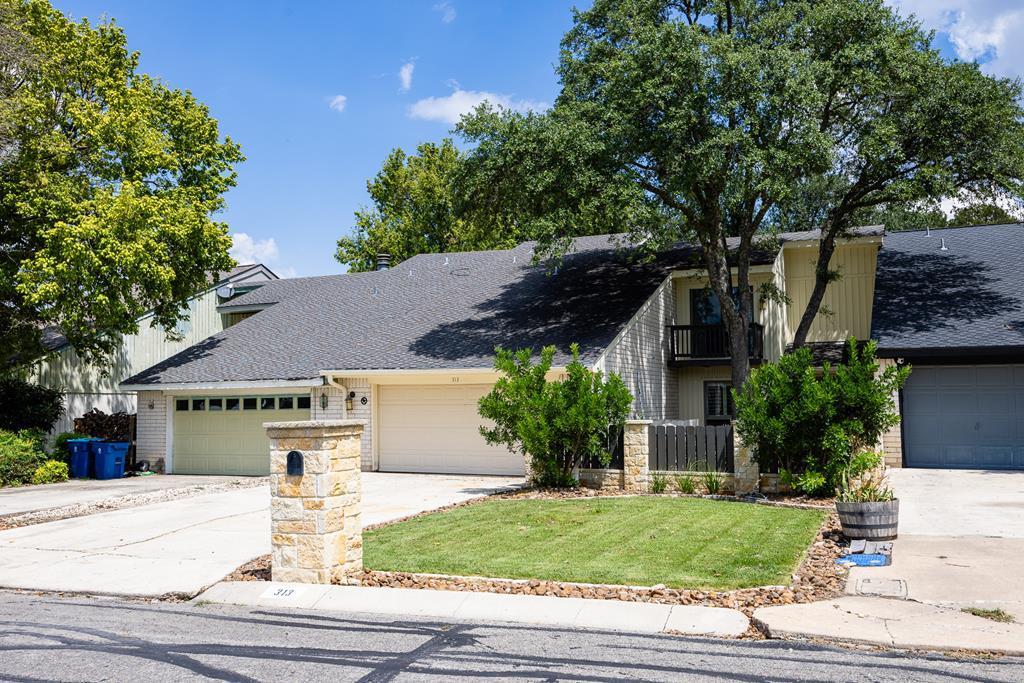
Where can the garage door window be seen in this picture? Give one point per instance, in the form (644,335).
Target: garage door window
(285,403)
(237,404)
(267,403)
(303,403)
(231,403)
(181,404)
(249,404)
(199,404)
(216,404)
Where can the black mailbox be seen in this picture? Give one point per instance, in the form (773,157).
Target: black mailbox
(294,464)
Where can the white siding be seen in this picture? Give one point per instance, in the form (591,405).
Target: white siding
(639,355)
(360,411)
(151,429)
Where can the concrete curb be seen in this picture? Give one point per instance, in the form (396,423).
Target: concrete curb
(888,622)
(611,615)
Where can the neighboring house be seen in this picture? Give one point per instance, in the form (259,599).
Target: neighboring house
(410,350)
(951,303)
(88,386)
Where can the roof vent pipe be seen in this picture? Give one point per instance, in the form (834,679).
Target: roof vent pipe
(383,261)
(943,247)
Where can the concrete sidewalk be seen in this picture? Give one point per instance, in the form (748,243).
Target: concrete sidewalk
(887,622)
(611,615)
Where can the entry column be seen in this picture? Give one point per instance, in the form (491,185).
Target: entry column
(315,498)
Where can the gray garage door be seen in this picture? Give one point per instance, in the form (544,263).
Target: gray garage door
(967,417)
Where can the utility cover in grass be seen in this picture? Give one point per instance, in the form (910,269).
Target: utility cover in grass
(680,542)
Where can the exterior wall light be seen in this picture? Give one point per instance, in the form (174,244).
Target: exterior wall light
(323,401)
(348,400)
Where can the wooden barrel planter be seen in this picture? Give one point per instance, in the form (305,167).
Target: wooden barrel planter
(869,521)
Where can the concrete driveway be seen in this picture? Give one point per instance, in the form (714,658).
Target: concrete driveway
(961,539)
(22,499)
(185,545)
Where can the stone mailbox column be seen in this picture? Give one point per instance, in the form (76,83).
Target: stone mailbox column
(635,453)
(315,530)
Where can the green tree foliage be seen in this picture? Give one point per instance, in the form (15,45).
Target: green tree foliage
(24,405)
(558,424)
(728,117)
(415,211)
(812,426)
(983,213)
(108,180)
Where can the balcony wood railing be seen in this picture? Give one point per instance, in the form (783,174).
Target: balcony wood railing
(709,344)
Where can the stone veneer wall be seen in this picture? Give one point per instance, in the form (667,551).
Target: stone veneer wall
(640,357)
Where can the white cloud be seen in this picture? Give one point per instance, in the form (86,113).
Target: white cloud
(405,76)
(338,103)
(449,109)
(983,30)
(245,249)
(447,11)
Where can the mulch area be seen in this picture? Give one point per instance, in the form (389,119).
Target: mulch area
(817,578)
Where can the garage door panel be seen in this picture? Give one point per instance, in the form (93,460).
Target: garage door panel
(964,417)
(434,428)
(229,442)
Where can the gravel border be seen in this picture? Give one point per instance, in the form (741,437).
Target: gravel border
(126,501)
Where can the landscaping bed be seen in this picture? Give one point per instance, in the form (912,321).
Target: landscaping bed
(725,584)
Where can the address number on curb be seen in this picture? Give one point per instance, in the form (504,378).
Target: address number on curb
(281,593)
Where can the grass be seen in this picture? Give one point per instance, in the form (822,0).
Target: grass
(679,542)
(993,614)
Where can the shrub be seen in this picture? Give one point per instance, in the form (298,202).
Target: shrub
(684,484)
(24,405)
(712,481)
(560,424)
(659,483)
(20,454)
(811,426)
(50,472)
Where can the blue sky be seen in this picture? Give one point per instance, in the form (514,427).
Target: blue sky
(318,93)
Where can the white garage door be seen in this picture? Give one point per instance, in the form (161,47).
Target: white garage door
(437,429)
(966,416)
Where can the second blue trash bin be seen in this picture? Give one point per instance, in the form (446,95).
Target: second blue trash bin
(110,457)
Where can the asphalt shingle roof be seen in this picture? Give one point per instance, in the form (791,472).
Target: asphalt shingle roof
(433,311)
(969,296)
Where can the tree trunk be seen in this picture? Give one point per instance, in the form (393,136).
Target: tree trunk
(822,278)
(735,317)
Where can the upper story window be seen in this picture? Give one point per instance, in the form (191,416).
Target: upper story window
(706,309)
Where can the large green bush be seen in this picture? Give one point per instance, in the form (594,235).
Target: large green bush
(24,405)
(21,453)
(810,425)
(559,424)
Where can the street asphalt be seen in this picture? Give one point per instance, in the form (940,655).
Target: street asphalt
(46,637)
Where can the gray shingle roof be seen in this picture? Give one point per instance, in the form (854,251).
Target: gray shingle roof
(433,311)
(970,296)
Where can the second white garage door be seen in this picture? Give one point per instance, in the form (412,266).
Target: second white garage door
(437,429)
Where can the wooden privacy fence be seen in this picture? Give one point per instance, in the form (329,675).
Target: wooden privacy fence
(678,446)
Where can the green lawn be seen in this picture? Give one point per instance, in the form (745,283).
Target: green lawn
(680,542)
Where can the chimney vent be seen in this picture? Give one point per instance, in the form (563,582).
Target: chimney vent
(383,261)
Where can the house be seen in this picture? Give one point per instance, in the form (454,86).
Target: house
(951,303)
(89,385)
(410,349)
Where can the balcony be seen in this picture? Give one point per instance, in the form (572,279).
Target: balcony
(709,344)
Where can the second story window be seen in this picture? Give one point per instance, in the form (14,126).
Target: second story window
(706,309)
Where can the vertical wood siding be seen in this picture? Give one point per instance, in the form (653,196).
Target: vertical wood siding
(850,298)
(640,357)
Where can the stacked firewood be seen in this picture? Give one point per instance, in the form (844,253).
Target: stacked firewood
(117,426)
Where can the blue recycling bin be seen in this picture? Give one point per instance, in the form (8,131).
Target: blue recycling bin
(110,458)
(81,458)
